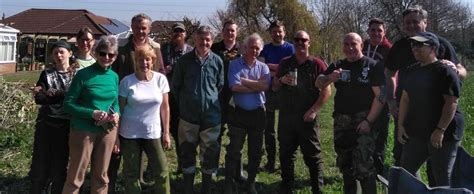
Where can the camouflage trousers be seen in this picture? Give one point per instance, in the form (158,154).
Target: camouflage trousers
(190,136)
(354,151)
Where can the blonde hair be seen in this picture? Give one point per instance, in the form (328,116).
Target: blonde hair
(143,52)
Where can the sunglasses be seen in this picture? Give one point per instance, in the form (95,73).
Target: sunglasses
(178,30)
(416,44)
(103,54)
(300,40)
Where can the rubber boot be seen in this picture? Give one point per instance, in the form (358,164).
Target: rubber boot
(206,183)
(188,183)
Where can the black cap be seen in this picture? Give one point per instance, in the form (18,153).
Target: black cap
(427,37)
(61,43)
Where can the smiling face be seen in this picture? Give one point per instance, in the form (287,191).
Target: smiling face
(178,36)
(203,42)
(352,46)
(422,52)
(229,33)
(253,48)
(278,34)
(144,64)
(301,42)
(141,29)
(376,33)
(85,43)
(413,23)
(61,55)
(106,57)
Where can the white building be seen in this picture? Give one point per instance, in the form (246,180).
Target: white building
(8,41)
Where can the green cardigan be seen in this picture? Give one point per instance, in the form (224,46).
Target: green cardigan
(93,88)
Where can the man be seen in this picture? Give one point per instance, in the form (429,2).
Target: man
(172,51)
(430,121)
(197,80)
(377,48)
(400,57)
(300,104)
(355,77)
(141,26)
(125,65)
(272,54)
(248,79)
(228,50)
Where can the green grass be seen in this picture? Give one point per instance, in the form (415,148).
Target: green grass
(15,151)
(29,77)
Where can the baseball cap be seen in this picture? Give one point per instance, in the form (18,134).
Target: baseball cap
(178,25)
(426,37)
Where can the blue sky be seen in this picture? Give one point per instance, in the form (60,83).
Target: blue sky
(124,10)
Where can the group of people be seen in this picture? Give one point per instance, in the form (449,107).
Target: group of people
(124,100)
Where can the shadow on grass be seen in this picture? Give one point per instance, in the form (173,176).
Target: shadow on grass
(10,185)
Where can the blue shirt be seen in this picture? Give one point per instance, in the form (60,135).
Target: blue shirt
(238,69)
(274,54)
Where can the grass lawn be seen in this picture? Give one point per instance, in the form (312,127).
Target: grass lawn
(16,148)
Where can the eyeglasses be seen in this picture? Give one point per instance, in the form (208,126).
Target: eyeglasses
(86,40)
(416,44)
(103,54)
(300,40)
(178,30)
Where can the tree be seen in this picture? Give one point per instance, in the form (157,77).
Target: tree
(255,16)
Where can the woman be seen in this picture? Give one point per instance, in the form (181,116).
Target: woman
(143,99)
(430,122)
(85,43)
(50,149)
(92,101)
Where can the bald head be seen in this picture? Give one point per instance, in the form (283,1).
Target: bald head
(352,46)
(302,34)
(353,35)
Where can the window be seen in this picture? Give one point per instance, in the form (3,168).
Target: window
(7,47)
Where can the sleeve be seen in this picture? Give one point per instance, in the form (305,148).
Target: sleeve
(378,75)
(41,97)
(321,66)
(178,76)
(282,68)
(123,88)
(446,51)
(221,76)
(115,104)
(71,100)
(451,83)
(391,61)
(292,50)
(266,73)
(233,76)
(163,84)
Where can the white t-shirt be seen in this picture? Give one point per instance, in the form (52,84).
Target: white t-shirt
(141,115)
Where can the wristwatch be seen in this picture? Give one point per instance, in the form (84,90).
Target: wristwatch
(441,129)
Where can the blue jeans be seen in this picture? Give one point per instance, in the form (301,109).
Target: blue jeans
(417,151)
